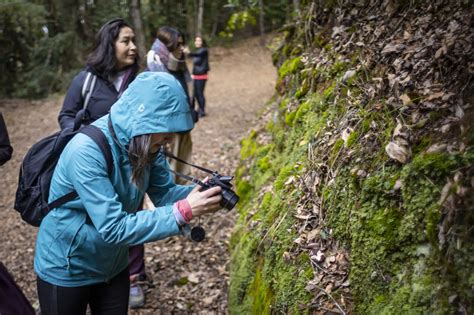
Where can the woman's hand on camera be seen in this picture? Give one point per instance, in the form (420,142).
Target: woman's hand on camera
(206,201)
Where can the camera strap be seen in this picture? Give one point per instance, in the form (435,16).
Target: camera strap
(187,177)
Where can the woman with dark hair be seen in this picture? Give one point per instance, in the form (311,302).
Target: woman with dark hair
(167,55)
(81,254)
(200,70)
(114,63)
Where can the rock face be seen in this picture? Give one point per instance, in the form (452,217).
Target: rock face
(357,186)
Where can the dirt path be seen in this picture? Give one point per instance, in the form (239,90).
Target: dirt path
(185,277)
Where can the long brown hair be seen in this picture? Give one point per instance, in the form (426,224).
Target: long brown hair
(140,158)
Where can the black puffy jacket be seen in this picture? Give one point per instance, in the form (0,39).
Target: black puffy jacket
(102,98)
(6,149)
(200,61)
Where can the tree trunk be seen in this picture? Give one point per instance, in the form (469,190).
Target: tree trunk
(136,18)
(261,22)
(199,18)
(296,5)
(216,14)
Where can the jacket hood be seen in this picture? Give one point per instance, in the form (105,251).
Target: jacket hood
(153,103)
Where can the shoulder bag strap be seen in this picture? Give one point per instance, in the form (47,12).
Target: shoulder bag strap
(99,138)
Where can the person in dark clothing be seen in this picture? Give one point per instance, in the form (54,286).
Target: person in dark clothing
(114,61)
(6,149)
(200,70)
(12,299)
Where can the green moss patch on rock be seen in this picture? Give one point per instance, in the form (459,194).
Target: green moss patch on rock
(318,179)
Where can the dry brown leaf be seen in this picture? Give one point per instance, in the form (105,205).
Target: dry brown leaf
(406,100)
(398,184)
(445,192)
(319,257)
(193,278)
(302,216)
(392,48)
(314,234)
(397,152)
(299,240)
(435,96)
(437,147)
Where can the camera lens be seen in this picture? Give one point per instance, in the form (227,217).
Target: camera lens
(229,199)
(197,234)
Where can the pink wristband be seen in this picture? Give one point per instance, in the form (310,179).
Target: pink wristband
(185,210)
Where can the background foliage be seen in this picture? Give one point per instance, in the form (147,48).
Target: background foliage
(43,43)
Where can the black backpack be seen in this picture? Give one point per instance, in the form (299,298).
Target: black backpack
(39,162)
(37,170)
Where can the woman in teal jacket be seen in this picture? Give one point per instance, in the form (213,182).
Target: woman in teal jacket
(81,253)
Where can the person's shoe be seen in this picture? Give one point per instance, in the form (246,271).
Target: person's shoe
(137,296)
(202,114)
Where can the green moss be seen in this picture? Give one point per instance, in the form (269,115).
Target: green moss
(380,224)
(243,272)
(289,118)
(319,41)
(244,190)
(264,163)
(338,68)
(388,216)
(261,294)
(283,176)
(335,152)
(290,66)
(328,93)
(249,146)
(302,91)
(353,137)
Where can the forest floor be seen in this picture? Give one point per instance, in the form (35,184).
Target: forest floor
(184,277)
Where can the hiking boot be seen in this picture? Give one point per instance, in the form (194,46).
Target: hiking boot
(137,296)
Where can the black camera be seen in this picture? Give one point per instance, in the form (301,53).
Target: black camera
(229,197)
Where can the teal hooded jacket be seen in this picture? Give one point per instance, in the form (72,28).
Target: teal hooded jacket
(86,240)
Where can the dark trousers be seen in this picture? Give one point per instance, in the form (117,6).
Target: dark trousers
(136,262)
(198,94)
(102,298)
(12,299)
(136,259)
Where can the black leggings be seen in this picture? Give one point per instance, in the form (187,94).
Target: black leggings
(198,91)
(103,298)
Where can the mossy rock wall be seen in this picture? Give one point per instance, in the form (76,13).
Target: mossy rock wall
(366,152)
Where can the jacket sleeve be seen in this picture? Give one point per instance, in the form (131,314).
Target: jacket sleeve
(73,101)
(162,189)
(87,171)
(198,53)
(6,149)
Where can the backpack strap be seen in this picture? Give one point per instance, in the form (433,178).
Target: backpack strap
(99,138)
(88,87)
(86,92)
